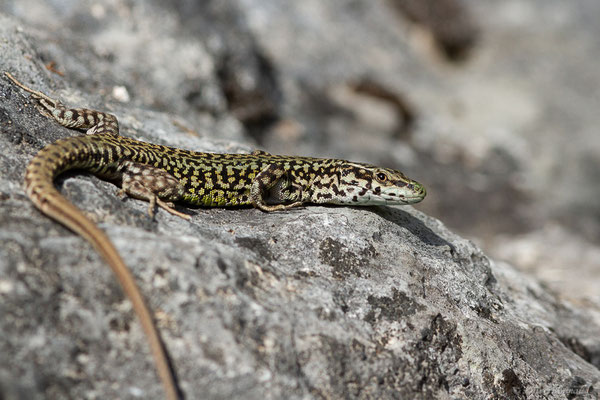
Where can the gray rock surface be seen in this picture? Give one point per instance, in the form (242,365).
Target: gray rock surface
(319,302)
(491,104)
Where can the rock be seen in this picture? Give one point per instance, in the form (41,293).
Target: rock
(317,302)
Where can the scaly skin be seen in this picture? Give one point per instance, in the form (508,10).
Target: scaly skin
(161,175)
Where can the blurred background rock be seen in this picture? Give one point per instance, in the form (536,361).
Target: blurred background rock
(494,106)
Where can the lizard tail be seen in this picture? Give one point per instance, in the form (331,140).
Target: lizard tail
(39,184)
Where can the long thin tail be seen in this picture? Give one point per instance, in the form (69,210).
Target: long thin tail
(39,184)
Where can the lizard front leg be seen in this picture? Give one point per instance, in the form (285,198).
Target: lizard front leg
(262,183)
(151,184)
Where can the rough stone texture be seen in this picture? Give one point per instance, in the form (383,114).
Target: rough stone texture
(497,99)
(320,302)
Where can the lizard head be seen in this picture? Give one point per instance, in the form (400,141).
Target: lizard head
(364,184)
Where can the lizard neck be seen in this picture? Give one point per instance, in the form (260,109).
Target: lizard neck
(325,185)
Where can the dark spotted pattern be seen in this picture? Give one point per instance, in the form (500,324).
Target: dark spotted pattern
(206,179)
(210,179)
(270,182)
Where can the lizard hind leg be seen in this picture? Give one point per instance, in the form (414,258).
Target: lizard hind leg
(152,184)
(95,122)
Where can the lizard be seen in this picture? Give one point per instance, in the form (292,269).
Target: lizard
(163,175)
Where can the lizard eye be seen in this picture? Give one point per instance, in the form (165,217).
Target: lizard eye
(381,177)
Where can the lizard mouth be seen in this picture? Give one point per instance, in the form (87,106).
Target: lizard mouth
(390,199)
(408,200)
(394,197)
